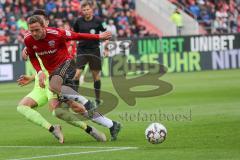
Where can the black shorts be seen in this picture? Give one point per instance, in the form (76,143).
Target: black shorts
(67,71)
(91,57)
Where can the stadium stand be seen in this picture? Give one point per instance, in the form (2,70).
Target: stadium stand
(216,16)
(120,16)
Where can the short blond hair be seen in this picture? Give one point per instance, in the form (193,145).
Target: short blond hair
(86,3)
(35,19)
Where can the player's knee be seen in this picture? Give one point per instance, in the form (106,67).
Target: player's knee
(27,102)
(97,84)
(21,108)
(52,89)
(55,88)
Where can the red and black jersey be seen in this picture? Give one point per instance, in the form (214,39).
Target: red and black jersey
(52,49)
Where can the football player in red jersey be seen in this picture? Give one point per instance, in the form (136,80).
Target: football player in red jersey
(50,45)
(98,118)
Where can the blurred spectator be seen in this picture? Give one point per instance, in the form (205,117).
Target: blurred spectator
(206,20)
(3,30)
(135,30)
(121,33)
(2,14)
(233,23)
(176,17)
(222,14)
(103,11)
(13,33)
(50,6)
(219,26)
(237,2)
(142,31)
(8,12)
(112,28)
(194,9)
(75,5)
(71,19)
(3,38)
(22,23)
(12,21)
(3,24)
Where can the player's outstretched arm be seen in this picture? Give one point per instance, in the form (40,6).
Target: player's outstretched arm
(69,35)
(25,80)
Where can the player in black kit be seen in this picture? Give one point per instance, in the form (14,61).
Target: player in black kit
(89,51)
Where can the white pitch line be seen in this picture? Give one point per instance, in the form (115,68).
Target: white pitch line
(59,147)
(76,153)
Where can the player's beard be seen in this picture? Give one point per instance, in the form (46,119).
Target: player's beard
(36,37)
(40,36)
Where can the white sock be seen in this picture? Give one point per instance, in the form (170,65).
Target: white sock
(71,94)
(79,98)
(102,120)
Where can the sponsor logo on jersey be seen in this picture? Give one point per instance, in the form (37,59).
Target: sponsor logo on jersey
(46,52)
(51,43)
(68,33)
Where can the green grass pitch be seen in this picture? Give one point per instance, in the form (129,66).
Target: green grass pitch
(202,115)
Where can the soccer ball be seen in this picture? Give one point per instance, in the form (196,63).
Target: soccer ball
(156,133)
